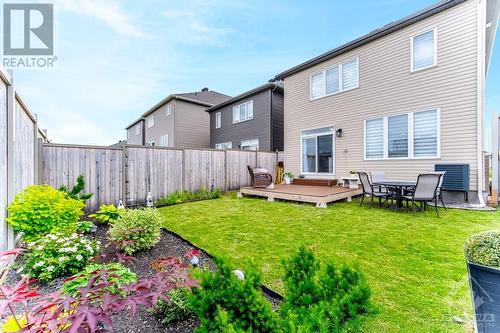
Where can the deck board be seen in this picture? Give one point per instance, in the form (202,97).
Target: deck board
(320,195)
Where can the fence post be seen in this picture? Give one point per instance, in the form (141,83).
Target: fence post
(39,148)
(124,172)
(11,131)
(226,178)
(183,173)
(35,151)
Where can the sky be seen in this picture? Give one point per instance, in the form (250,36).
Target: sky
(116,59)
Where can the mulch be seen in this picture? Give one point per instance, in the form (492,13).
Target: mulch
(144,321)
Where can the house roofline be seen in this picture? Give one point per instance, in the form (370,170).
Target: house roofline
(246,94)
(135,122)
(374,35)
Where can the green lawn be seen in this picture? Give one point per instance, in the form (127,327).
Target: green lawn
(414,264)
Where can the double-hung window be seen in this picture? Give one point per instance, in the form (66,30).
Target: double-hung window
(335,79)
(164,140)
(137,129)
(423,50)
(251,144)
(409,135)
(243,112)
(168,109)
(218,120)
(317,151)
(151,121)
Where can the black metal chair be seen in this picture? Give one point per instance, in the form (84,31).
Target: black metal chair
(425,190)
(380,192)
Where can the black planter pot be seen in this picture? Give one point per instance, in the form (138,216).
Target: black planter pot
(485,290)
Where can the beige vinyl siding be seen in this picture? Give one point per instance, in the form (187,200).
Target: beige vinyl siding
(192,125)
(387,87)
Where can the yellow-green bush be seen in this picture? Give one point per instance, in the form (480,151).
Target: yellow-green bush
(41,209)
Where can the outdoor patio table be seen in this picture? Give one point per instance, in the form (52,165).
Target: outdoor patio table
(398,186)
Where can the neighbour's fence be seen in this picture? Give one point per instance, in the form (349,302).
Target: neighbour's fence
(18,151)
(130,172)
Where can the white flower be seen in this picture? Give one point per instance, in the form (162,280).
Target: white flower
(39,264)
(61,259)
(50,268)
(79,257)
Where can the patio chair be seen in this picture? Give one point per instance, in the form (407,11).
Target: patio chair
(377,176)
(259,177)
(380,192)
(425,190)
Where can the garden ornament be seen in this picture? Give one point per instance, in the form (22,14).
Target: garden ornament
(149,200)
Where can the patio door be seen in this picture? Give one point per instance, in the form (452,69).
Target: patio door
(317,151)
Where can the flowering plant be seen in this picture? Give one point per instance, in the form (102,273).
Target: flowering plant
(58,254)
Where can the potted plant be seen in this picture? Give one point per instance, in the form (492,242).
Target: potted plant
(288,177)
(353,173)
(482,252)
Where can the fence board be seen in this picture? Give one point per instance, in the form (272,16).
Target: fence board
(3,164)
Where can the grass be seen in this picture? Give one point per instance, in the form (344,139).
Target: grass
(414,263)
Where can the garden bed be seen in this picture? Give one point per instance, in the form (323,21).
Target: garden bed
(144,321)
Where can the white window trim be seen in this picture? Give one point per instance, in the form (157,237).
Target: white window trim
(218,119)
(151,119)
(410,137)
(237,106)
(137,129)
(165,142)
(435,31)
(168,109)
(312,136)
(253,139)
(229,143)
(341,88)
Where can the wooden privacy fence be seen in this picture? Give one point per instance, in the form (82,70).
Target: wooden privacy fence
(130,172)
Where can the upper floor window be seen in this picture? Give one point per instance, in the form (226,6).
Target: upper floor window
(168,109)
(409,135)
(151,121)
(424,50)
(243,112)
(137,129)
(341,77)
(218,119)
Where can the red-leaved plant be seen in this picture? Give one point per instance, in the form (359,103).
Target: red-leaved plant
(92,309)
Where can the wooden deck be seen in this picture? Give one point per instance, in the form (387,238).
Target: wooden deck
(319,195)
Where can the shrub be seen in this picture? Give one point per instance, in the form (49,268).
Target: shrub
(84,227)
(117,276)
(175,309)
(58,254)
(321,298)
(186,196)
(107,214)
(224,299)
(484,249)
(137,230)
(41,209)
(76,190)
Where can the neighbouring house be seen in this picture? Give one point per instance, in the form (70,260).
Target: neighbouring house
(400,99)
(252,120)
(179,120)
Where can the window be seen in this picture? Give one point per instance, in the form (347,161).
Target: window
(317,151)
(398,136)
(252,144)
(218,119)
(224,145)
(374,138)
(164,140)
(424,50)
(243,112)
(150,143)
(151,121)
(410,135)
(137,129)
(425,133)
(341,77)
(168,109)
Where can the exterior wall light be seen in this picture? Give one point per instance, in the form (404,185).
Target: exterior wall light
(339,132)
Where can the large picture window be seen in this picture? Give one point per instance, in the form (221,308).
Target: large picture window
(317,151)
(409,135)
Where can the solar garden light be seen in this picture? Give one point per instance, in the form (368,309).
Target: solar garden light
(239,274)
(195,261)
(120,205)
(93,230)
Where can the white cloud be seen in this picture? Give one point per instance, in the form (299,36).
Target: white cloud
(108,12)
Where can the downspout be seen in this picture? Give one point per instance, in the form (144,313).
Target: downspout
(271,119)
(481,77)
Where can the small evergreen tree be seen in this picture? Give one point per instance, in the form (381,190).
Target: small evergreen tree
(75,192)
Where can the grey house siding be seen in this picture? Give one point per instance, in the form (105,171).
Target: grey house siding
(258,127)
(277,121)
(134,139)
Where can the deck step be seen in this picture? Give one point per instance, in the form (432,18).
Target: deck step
(315,182)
